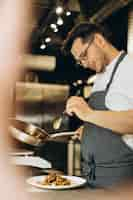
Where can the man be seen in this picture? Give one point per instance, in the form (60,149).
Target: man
(106,159)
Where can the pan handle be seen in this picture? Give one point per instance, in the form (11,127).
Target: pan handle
(55,135)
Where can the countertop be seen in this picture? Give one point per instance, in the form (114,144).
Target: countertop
(82,194)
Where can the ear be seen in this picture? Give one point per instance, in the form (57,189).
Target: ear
(99,40)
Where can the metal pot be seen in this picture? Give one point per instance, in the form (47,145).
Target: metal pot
(31,134)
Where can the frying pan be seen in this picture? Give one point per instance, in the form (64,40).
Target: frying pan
(31,134)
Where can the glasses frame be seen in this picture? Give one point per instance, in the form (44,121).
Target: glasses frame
(83,54)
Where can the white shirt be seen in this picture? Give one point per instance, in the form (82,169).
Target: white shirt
(120,93)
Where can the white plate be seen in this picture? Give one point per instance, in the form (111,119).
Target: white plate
(21,153)
(75,182)
(33,161)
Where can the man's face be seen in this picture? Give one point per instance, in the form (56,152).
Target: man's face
(89,55)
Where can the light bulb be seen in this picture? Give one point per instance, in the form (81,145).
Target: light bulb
(43,46)
(68,13)
(56,30)
(59,10)
(79,82)
(48,39)
(60,21)
(53,26)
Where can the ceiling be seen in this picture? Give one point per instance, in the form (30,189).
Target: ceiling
(90,10)
(99,11)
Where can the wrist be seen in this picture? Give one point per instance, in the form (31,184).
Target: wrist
(89,115)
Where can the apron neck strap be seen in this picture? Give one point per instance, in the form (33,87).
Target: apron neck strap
(123,54)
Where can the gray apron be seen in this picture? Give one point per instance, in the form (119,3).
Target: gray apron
(106,160)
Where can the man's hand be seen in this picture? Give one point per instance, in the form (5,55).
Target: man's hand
(78,106)
(78,133)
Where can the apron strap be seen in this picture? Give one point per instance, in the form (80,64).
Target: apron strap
(123,54)
(92,169)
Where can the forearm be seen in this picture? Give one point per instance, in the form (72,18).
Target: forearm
(118,121)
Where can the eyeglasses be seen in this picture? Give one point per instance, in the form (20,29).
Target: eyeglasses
(83,54)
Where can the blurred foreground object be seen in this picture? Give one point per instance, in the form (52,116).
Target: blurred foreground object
(13,36)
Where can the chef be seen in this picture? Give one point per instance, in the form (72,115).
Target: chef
(106,159)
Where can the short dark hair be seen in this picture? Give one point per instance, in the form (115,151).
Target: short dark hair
(84,31)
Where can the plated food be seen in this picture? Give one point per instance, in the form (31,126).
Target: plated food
(54,179)
(56,182)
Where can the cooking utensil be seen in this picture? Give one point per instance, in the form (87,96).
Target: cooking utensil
(31,134)
(58,120)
